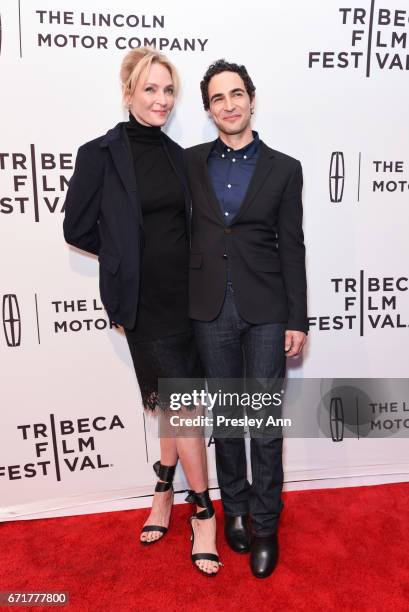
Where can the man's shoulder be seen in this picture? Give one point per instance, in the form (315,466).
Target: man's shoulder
(284,158)
(192,152)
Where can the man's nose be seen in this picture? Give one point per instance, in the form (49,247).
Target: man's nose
(229,104)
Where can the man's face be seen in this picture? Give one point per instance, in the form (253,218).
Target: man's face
(230,104)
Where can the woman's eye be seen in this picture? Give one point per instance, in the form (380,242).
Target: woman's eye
(149,89)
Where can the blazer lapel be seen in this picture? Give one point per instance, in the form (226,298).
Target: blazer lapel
(121,154)
(204,179)
(263,168)
(176,161)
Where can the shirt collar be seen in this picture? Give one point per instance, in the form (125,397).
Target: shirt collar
(220,149)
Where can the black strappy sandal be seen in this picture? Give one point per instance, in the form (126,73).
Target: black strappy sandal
(165,473)
(203,500)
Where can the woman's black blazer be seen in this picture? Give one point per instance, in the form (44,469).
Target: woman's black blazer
(103,216)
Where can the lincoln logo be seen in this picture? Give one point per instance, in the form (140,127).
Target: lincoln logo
(336,419)
(11,320)
(336,176)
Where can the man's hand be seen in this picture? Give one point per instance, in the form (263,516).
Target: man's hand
(294,342)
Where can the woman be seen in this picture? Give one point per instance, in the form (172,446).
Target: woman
(128,203)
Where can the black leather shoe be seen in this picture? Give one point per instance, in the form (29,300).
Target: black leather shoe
(263,555)
(237,532)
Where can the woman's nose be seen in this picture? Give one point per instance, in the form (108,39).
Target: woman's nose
(161,98)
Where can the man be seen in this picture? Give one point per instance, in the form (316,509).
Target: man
(247,291)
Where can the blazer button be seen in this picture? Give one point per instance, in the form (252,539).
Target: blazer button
(227,230)
(225,256)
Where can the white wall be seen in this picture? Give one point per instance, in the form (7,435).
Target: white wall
(54,98)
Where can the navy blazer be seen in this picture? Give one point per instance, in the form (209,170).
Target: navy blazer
(263,246)
(103,216)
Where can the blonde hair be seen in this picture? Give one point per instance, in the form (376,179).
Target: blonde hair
(138,62)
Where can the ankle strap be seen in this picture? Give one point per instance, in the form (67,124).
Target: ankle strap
(203,500)
(165,473)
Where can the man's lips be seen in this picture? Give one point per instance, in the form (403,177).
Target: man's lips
(232,118)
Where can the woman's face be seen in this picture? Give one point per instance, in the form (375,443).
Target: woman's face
(154,96)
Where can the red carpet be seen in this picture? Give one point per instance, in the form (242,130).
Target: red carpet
(341,549)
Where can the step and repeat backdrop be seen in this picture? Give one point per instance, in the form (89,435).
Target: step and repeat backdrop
(332,91)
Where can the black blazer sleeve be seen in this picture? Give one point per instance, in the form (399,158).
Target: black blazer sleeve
(292,251)
(82,204)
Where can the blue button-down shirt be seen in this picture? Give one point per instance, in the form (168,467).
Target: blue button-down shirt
(230,172)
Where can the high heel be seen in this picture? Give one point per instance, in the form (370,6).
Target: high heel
(203,500)
(165,473)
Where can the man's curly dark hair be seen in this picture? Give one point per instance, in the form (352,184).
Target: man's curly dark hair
(222,66)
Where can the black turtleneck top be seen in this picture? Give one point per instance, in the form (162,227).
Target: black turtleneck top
(163,293)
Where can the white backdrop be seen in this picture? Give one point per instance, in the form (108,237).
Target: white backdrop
(331,85)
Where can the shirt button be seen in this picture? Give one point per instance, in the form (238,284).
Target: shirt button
(229,186)
(233,160)
(228,150)
(223,155)
(226,214)
(224,256)
(244,156)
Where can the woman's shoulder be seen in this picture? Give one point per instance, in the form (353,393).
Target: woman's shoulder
(172,143)
(100,142)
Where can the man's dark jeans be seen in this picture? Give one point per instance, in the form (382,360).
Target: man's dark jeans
(232,348)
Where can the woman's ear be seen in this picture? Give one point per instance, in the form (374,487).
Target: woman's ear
(126,96)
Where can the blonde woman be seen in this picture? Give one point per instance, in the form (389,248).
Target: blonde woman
(128,203)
